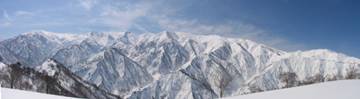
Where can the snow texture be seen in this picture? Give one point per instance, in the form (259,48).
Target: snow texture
(329,90)
(7,93)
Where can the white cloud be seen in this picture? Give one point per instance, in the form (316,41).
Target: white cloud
(192,26)
(88,4)
(6,22)
(123,18)
(117,15)
(195,26)
(6,15)
(24,13)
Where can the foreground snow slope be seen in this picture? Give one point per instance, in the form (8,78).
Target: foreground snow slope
(20,94)
(346,89)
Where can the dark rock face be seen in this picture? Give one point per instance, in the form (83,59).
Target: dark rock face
(290,79)
(17,76)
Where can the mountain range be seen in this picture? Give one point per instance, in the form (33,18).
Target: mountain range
(172,65)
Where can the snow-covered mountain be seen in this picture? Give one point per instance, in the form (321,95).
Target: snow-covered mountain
(177,65)
(31,49)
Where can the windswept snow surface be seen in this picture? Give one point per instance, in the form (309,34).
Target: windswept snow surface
(20,94)
(346,89)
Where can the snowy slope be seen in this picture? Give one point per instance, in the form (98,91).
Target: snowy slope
(347,89)
(7,93)
(302,68)
(328,90)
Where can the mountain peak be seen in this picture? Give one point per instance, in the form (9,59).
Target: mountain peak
(168,35)
(46,33)
(109,38)
(58,37)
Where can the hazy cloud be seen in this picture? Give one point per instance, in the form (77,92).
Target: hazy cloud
(24,13)
(6,21)
(5,24)
(124,18)
(193,26)
(6,15)
(88,4)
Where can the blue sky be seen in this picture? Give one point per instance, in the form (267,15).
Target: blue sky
(285,24)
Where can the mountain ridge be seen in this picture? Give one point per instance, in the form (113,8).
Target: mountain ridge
(182,65)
